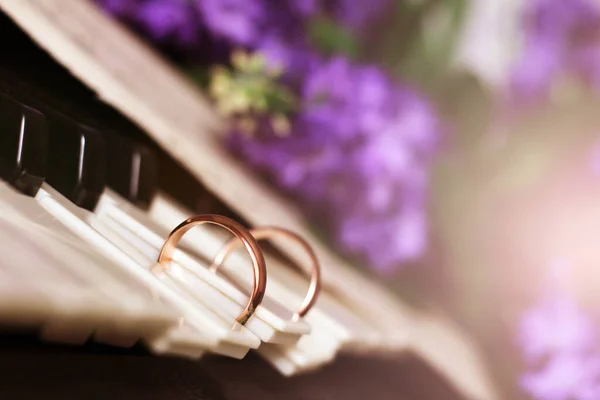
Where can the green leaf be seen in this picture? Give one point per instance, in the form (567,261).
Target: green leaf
(331,38)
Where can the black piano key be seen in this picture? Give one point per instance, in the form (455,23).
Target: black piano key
(76,161)
(23,145)
(131,169)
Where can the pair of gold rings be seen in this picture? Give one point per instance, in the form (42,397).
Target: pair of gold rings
(249,238)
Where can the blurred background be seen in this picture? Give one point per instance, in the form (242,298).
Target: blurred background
(450,147)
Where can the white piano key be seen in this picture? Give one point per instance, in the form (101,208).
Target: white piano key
(147,315)
(14,202)
(312,351)
(79,308)
(289,286)
(328,313)
(51,306)
(211,332)
(81,314)
(271,322)
(308,354)
(235,341)
(380,324)
(181,341)
(22,304)
(144,315)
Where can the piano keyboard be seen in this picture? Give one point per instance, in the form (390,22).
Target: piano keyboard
(89,196)
(84,216)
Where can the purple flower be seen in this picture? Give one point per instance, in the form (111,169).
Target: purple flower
(385,240)
(169,19)
(236,20)
(555,326)
(358,161)
(306,8)
(119,8)
(560,37)
(330,94)
(566,376)
(357,15)
(293,56)
(558,18)
(537,68)
(165,22)
(586,62)
(560,346)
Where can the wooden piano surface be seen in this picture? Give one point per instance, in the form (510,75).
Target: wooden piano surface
(31,369)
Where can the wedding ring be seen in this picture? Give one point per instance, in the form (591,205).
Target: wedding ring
(245,237)
(267,233)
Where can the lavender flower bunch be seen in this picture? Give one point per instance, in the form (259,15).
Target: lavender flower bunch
(358,147)
(248,23)
(561,38)
(559,342)
(358,160)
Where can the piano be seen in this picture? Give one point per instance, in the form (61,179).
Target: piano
(92,182)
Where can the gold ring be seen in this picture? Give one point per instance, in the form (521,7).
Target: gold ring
(268,232)
(258,261)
